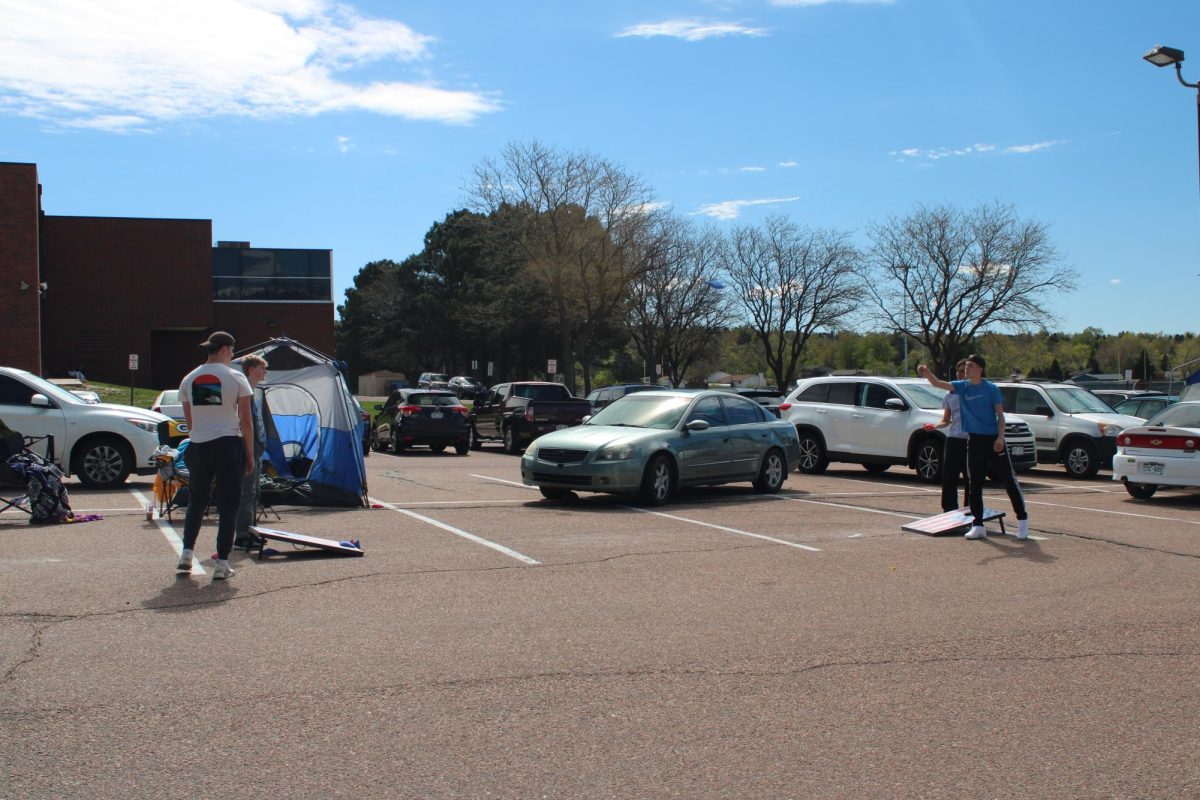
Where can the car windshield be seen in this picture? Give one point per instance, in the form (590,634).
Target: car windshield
(1180,415)
(1078,401)
(47,388)
(438,378)
(643,411)
(924,396)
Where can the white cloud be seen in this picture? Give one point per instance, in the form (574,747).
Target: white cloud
(731,209)
(345,144)
(789,164)
(691,30)
(133,64)
(1115,281)
(936,154)
(752,169)
(1032,148)
(795,3)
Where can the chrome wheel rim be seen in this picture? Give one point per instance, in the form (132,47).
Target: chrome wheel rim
(1078,461)
(103,464)
(774,470)
(662,481)
(810,453)
(927,462)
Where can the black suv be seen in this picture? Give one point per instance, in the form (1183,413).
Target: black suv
(412,417)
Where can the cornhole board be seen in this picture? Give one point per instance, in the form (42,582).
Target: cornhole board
(952,523)
(302,539)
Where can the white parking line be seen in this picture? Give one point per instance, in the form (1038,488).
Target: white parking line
(499,548)
(876,510)
(723,528)
(167,531)
(501,480)
(1117,513)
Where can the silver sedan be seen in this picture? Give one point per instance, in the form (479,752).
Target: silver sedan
(651,443)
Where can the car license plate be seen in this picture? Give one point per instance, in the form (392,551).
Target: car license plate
(559,427)
(1018,451)
(435,415)
(1151,468)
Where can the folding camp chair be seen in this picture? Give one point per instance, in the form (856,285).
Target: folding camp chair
(13,444)
(169,478)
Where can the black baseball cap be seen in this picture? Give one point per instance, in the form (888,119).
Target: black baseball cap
(978,359)
(216,340)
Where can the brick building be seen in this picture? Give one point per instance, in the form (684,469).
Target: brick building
(88,292)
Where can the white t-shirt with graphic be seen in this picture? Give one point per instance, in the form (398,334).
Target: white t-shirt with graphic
(213,390)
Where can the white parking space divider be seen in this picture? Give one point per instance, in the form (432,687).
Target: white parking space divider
(499,548)
(168,532)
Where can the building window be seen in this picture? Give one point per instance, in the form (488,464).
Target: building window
(262,275)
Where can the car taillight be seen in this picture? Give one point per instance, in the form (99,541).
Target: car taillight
(459,410)
(529,413)
(157,409)
(784,406)
(408,411)
(1151,441)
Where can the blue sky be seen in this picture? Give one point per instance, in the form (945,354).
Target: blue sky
(354,126)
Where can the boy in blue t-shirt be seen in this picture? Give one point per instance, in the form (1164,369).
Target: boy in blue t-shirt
(982,410)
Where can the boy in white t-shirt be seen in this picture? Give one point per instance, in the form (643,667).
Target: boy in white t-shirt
(216,403)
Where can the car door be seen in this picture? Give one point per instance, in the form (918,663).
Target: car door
(1035,409)
(837,411)
(19,413)
(489,416)
(703,455)
(873,428)
(749,436)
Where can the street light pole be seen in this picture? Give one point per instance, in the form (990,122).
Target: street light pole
(1162,56)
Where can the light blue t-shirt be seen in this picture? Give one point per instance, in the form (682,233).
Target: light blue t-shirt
(978,402)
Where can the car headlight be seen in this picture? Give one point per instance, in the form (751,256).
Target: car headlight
(618,452)
(146,425)
(531,451)
(1108,429)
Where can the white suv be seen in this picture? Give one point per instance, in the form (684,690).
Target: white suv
(99,443)
(878,422)
(1073,426)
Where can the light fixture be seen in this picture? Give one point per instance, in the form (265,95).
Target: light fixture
(1163,56)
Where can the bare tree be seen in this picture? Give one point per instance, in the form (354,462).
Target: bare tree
(585,237)
(791,282)
(942,275)
(676,309)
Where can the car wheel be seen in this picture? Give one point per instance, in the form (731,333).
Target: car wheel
(876,469)
(437,448)
(812,454)
(929,460)
(511,445)
(556,494)
(473,438)
(772,473)
(376,445)
(1080,459)
(658,481)
(398,445)
(103,463)
(461,448)
(1141,491)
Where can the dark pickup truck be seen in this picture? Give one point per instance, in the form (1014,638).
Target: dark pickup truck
(518,413)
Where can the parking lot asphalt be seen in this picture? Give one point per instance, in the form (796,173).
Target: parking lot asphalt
(495,644)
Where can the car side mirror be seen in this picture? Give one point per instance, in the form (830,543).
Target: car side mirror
(895,404)
(584,421)
(40,401)
(697,425)
(1043,411)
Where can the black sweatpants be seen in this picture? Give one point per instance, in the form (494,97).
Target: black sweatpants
(223,462)
(954,464)
(981,455)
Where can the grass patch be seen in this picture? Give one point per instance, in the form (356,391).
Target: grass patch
(112,393)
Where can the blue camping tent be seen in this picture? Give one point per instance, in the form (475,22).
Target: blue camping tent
(314,423)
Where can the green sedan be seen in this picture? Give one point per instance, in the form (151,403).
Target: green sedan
(651,443)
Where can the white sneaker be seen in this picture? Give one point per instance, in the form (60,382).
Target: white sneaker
(222,571)
(1022,529)
(185,562)
(976,532)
